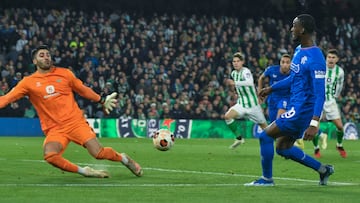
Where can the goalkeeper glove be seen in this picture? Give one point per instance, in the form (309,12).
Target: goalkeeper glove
(108,102)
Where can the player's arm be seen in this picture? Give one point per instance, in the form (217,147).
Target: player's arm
(318,77)
(248,79)
(260,86)
(282,84)
(261,81)
(228,81)
(340,84)
(108,102)
(84,91)
(263,76)
(15,94)
(318,72)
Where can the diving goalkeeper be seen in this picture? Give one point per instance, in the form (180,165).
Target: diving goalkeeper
(50,90)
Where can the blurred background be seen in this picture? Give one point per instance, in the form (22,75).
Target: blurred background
(167,58)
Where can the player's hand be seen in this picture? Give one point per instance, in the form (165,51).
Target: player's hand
(230,82)
(264,92)
(109,102)
(310,133)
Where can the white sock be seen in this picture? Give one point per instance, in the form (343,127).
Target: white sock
(81,170)
(124,159)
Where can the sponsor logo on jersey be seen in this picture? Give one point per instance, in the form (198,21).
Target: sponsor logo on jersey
(50,89)
(319,74)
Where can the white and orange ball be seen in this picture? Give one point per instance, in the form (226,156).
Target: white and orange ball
(163,139)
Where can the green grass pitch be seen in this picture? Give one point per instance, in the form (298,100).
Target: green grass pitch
(195,170)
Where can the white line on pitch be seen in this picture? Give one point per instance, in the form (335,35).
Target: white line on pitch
(144,185)
(202,173)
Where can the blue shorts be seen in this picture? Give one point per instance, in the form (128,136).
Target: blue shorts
(274,107)
(295,121)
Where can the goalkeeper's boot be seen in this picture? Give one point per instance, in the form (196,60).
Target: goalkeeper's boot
(238,141)
(324,177)
(317,153)
(134,167)
(90,172)
(262,182)
(341,151)
(300,143)
(323,140)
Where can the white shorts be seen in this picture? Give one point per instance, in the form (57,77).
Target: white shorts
(254,114)
(331,110)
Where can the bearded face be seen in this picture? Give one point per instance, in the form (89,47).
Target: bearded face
(42,59)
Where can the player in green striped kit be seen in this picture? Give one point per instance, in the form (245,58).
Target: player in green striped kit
(333,85)
(247,105)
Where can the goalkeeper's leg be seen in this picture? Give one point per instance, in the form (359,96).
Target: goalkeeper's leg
(58,161)
(53,155)
(54,146)
(108,153)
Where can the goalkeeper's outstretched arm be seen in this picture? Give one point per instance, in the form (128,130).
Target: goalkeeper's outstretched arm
(108,102)
(15,94)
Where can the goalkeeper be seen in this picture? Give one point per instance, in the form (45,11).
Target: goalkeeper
(50,90)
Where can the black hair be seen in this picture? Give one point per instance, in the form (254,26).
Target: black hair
(333,51)
(34,51)
(308,23)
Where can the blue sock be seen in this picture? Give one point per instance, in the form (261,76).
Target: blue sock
(298,155)
(267,154)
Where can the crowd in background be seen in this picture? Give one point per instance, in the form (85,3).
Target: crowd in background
(163,65)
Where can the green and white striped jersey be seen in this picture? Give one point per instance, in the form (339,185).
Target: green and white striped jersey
(245,88)
(334,82)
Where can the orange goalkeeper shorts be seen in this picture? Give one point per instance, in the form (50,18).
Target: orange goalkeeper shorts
(79,133)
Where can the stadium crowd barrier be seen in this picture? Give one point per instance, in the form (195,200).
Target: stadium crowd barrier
(182,128)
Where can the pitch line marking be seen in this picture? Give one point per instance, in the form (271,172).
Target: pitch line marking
(148,185)
(183,171)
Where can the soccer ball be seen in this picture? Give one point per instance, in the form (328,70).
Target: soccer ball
(163,139)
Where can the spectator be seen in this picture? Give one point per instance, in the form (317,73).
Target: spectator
(169,55)
(153,112)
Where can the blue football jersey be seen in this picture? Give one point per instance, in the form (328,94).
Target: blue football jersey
(274,75)
(307,79)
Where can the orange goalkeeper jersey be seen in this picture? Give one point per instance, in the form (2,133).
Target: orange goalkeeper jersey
(52,96)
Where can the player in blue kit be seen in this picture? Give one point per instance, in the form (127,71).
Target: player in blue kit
(277,101)
(307,83)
